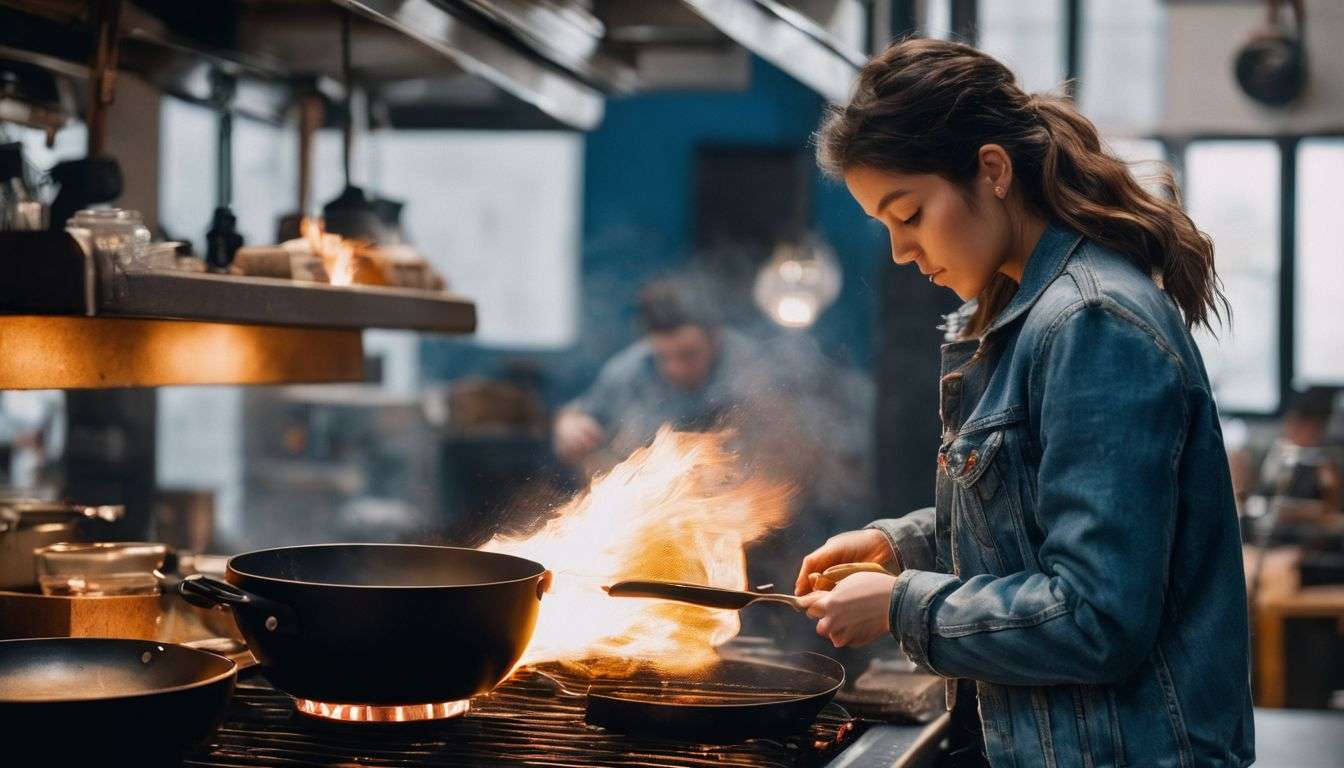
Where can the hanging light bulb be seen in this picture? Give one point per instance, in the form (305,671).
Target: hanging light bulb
(798,283)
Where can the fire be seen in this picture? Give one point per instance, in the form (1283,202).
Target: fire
(337,253)
(678,510)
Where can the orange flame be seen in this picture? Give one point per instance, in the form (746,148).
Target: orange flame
(677,510)
(337,253)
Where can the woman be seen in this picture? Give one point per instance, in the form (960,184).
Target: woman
(1081,570)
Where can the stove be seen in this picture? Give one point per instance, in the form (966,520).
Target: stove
(525,721)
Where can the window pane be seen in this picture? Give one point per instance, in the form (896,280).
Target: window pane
(1232,189)
(938,19)
(1319,314)
(1146,157)
(187,198)
(1028,37)
(265,178)
(1124,96)
(498,213)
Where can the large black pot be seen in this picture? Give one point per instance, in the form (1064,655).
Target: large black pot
(380,624)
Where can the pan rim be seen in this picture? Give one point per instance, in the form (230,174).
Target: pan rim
(744,705)
(540,569)
(230,672)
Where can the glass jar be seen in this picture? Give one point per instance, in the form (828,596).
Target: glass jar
(113,233)
(100,569)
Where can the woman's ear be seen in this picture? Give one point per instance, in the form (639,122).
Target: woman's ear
(996,170)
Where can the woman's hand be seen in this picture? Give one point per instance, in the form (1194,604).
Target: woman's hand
(866,546)
(856,612)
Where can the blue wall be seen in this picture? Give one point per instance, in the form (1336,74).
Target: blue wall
(637,208)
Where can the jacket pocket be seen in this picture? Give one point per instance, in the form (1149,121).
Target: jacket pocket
(983,493)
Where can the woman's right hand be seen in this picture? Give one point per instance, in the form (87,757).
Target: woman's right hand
(865,546)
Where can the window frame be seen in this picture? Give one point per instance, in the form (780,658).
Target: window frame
(1287,144)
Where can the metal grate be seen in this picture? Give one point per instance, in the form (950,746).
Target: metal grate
(526,721)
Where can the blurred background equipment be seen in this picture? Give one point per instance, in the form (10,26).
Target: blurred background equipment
(1272,66)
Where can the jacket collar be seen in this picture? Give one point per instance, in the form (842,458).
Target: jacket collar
(1046,262)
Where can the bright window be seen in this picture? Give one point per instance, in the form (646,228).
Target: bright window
(187,144)
(1121,72)
(1319,314)
(498,213)
(1232,190)
(1147,158)
(1028,37)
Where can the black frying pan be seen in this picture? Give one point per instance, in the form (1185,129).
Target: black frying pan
(380,624)
(735,699)
(98,701)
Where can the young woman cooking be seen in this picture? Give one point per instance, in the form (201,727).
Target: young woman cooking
(1081,571)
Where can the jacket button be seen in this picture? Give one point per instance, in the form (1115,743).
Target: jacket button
(970,462)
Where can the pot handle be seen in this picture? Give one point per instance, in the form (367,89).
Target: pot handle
(209,592)
(544,585)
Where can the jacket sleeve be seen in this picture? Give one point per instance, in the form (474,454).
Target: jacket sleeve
(1112,415)
(911,538)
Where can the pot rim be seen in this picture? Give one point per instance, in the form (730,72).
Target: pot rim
(231,569)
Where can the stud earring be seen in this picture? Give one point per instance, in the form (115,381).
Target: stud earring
(998,191)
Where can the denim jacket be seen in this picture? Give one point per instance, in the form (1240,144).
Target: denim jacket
(1083,562)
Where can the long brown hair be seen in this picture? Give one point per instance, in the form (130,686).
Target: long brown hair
(927,106)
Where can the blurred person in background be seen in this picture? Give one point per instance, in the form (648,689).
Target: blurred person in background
(1302,464)
(1079,582)
(687,370)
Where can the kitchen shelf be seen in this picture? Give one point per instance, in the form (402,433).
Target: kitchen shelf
(44,273)
(70,320)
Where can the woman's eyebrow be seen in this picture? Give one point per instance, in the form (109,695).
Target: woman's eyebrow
(888,199)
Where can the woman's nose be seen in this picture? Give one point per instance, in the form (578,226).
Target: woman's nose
(903,253)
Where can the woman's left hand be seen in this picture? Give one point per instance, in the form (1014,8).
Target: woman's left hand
(856,612)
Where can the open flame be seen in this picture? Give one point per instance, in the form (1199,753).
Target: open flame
(678,510)
(337,253)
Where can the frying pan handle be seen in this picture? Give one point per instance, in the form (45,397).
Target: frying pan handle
(208,592)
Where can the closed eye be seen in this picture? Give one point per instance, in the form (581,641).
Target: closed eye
(914,218)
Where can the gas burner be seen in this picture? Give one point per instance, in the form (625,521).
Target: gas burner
(369,713)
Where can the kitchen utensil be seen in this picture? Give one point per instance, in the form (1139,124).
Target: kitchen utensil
(380,624)
(697,594)
(101,701)
(735,699)
(827,579)
(222,240)
(351,214)
(100,569)
(730,599)
(28,524)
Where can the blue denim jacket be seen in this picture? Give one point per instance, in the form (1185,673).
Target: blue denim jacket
(1082,563)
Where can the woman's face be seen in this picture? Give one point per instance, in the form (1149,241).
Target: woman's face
(958,242)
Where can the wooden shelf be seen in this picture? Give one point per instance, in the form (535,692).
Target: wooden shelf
(43,273)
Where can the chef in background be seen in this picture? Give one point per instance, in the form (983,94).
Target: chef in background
(686,370)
